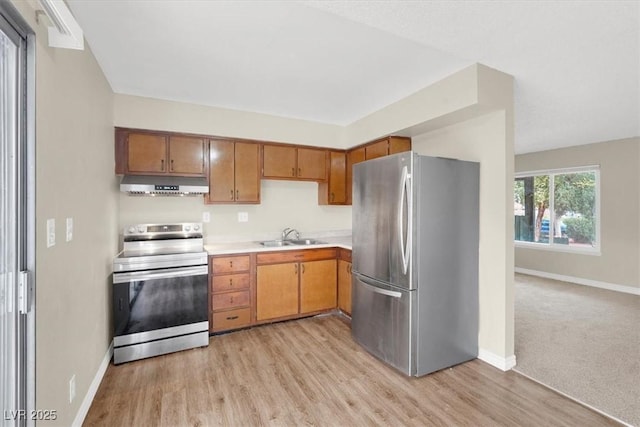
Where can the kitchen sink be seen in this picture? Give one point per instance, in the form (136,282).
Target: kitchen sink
(274,243)
(304,242)
(297,242)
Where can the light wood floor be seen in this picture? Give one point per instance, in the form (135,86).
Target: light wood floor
(310,372)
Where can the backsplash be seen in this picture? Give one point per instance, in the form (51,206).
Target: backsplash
(284,204)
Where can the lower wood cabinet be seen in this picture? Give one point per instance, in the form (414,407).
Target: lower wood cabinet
(276,291)
(294,283)
(318,288)
(344,281)
(249,289)
(230,292)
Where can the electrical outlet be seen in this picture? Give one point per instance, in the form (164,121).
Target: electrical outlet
(69,229)
(51,232)
(243,216)
(72,388)
(206,217)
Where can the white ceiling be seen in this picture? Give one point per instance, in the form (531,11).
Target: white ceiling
(576,63)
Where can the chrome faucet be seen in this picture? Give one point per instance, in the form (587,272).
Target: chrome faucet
(287,231)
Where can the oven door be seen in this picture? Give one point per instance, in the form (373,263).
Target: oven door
(156,304)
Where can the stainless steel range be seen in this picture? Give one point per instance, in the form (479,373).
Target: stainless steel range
(160,291)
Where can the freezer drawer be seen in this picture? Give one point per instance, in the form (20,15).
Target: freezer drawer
(381,321)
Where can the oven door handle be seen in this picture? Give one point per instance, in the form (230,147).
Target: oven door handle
(166,273)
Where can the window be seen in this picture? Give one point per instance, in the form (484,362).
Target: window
(558,209)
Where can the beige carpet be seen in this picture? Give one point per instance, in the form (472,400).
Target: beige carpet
(582,341)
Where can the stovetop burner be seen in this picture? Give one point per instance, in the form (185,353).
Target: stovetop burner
(148,246)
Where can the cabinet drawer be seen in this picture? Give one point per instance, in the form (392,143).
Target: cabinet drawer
(231,319)
(229,300)
(232,264)
(293,256)
(230,282)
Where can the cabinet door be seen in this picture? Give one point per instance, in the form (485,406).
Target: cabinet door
(276,291)
(221,171)
(337,177)
(247,173)
(377,149)
(312,164)
(146,153)
(344,286)
(318,286)
(353,157)
(278,161)
(399,144)
(187,155)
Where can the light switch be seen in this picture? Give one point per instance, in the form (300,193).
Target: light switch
(51,232)
(69,229)
(243,216)
(206,217)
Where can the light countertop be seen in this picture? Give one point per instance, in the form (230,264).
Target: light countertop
(255,246)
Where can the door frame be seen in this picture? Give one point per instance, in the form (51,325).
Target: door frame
(26,214)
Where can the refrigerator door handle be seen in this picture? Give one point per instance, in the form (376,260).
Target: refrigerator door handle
(369,284)
(405,247)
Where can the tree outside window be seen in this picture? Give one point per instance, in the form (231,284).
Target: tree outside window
(568,219)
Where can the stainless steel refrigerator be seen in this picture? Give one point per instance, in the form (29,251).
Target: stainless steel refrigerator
(415,261)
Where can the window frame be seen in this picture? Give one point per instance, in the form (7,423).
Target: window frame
(558,247)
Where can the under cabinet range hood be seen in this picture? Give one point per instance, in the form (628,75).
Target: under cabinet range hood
(147,185)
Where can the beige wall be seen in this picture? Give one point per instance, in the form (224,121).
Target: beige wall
(482,140)
(74,178)
(147,113)
(618,263)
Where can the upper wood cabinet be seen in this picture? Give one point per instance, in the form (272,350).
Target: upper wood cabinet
(291,162)
(160,153)
(353,156)
(372,150)
(234,172)
(333,191)
(387,146)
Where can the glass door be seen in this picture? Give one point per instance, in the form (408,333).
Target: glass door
(17,325)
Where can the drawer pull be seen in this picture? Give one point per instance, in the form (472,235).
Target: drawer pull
(231,194)
(231,264)
(232,317)
(230,283)
(231,300)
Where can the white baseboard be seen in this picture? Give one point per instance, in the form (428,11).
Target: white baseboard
(580,281)
(93,388)
(502,363)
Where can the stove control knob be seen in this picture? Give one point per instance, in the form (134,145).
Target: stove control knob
(132,230)
(196,227)
(187,228)
(140,229)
